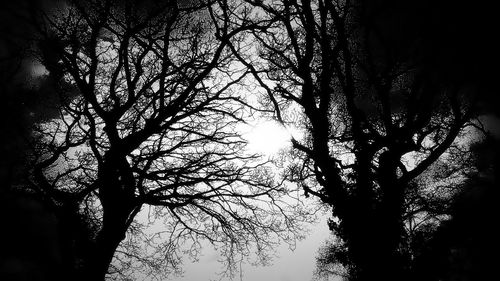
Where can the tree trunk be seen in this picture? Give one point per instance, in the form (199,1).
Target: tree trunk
(109,237)
(373,247)
(116,194)
(374,232)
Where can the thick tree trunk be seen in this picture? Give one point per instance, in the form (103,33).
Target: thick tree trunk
(375,253)
(116,194)
(374,232)
(109,237)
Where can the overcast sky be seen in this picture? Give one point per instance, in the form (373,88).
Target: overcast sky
(298,265)
(289,266)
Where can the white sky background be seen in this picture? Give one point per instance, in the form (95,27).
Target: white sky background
(297,265)
(266,138)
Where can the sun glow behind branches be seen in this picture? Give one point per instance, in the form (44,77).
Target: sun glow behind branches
(269,137)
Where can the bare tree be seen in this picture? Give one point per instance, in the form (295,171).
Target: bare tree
(149,118)
(375,119)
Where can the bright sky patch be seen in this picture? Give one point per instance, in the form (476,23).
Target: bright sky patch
(267,138)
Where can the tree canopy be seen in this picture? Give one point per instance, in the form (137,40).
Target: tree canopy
(377,111)
(149,119)
(139,152)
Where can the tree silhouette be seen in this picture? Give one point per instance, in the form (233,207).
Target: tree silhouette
(378,112)
(149,117)
(449,187)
